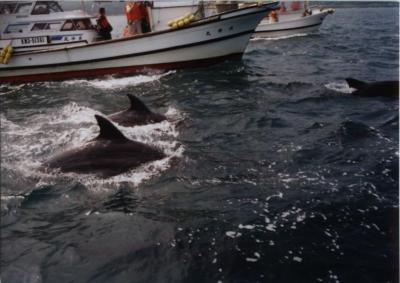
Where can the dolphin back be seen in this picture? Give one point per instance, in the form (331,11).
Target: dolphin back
(107,130)
(357,84)
(379,88)
(110,154)
(137,104)
(137,114)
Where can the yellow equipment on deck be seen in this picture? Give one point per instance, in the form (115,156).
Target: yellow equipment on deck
(6,54)
(181,22)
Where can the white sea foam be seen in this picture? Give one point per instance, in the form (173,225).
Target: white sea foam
(233,234)
(248,227)
(133,177)
(74,114)
(118,83)
(298,259)
(251,259)
(8,89)
(342,87)
(257,38)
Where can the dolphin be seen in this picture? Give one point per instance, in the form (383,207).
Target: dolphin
(383,88)
(137,114)
(109,154)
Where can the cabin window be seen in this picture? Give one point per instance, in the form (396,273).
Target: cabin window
(47,26)
(69,25)
(54,7)
(54,26)
(45,7)
(23,8)
(16,28)
(39,26)
(7,8)
(83,24)
(40,8)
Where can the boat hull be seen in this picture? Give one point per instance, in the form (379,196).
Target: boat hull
(21,49)
(291,25)
(218,38)
(126,66)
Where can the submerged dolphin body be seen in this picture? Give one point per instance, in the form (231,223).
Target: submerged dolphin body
(384,88)
(109,154)
(137,114)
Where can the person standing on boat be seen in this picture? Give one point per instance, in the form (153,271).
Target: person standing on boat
(145,6)
(103,26)
(134,15)
(307,11)
(283,7)
(295,6)
(273,17)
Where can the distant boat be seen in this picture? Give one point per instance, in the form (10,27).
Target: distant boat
(202,42)
(287,22)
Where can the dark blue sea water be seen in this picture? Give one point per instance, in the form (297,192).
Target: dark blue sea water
(275,173)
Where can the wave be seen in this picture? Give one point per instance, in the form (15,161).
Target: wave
(24,146)
(256,38)
(117,83)
(342,87)
(9,89)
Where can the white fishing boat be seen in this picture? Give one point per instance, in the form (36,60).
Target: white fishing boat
(202,42)
(287,22)
(38,25)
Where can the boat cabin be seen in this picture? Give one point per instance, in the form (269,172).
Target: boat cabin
(48,26)
(43,24)
(22,8)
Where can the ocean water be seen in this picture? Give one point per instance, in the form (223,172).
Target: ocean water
(274,171)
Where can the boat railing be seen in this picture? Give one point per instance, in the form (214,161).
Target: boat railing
(321,8)
(316,7)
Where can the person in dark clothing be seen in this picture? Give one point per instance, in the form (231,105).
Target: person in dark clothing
(146,19)
(103,26)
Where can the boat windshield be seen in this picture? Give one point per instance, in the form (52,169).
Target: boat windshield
(40,7)
(83,24)
(47,26)
(80,24)
(7,8)
(15,7)
(17,28)
(46,7)
(23,8)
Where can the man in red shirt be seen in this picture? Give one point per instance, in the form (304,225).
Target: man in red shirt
(295,6)
(134,15)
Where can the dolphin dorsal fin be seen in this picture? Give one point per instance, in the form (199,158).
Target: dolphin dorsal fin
(356,83)
(137,104)
(107,130)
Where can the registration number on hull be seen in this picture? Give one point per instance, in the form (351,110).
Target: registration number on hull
(34,40)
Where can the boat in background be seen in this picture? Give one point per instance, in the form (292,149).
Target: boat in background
(199,43)
(299,18)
